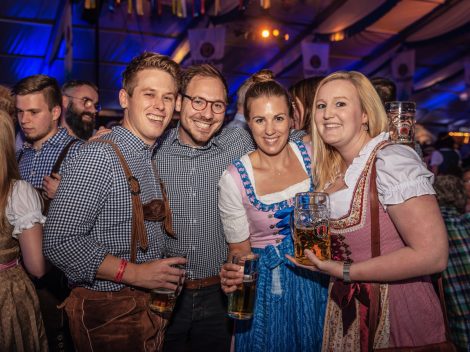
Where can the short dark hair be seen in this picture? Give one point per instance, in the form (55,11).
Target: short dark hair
(305,90)
(78,83)
(266,88)
(203,70)
(148,60)
(46,85)
(450,191)
(386,89)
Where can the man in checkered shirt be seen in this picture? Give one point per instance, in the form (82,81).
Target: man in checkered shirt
(191,158)
(38,101)
(88,230)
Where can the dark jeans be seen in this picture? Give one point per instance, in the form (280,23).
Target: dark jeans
(199,322)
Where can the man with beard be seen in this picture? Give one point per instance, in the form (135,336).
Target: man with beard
(79,108)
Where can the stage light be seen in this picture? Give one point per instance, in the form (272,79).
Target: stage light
(286,37)
(265,33)
(336,37)
(276,32)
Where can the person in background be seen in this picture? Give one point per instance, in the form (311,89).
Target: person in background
(350,142)
(302,94)
(290,302)
(386,89)
(456,278)
(21,324)
(38,102)
(466,183)
(97,230)
(79,108)
(44,155)
(451,161)
(239,119)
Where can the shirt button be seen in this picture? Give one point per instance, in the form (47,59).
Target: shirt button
(194,194)
(278,240)
(270,216)
(271,226)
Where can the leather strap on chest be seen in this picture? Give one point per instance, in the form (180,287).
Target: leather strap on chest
(138,232)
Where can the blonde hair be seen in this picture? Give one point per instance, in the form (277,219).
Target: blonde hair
(8,165)
(326,159)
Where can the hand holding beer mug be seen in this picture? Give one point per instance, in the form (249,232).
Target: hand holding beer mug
(311,226)
(401,118)
(163,300)
(242,301)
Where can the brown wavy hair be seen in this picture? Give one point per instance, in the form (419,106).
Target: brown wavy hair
(148,60)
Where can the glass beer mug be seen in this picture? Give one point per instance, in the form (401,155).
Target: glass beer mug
(401,118)
(241,303)
(310,226)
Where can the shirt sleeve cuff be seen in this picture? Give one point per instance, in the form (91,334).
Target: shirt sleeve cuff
(404,191)
(27,221)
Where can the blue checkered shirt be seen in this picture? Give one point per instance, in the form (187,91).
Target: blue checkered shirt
(191,176)
(35,164)
(91,215)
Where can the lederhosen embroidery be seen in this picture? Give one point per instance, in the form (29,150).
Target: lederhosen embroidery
(156,210)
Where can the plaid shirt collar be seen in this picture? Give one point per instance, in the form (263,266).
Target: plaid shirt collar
(174,136)
(56,139)
(132,142)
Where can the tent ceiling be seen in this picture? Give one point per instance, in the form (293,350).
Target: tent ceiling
(438,31)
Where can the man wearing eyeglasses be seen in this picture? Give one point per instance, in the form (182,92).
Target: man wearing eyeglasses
(79,108)
(191,158)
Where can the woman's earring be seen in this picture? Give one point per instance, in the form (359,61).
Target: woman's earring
(365,127)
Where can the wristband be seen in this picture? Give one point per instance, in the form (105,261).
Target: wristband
(120,272)
(346,276)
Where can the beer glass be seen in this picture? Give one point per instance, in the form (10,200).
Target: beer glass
(311,226)
(401,119)
(241,302)
(163,300)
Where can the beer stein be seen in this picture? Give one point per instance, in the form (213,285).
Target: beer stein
(401,119)
(310,226)
(241,303)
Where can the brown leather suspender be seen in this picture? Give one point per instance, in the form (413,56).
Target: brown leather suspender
(156,210)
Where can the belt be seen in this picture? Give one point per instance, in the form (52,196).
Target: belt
(201,283)
(10,264)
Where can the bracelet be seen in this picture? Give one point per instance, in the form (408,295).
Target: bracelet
(346,276)
(120,273)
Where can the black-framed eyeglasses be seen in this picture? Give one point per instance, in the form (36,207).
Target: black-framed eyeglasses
(87,103)
(199,104)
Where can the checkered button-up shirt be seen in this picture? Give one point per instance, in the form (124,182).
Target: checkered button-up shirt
(35,164)
(91,215)
(191,176)
(457,276)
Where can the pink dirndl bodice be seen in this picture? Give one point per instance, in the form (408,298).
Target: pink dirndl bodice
(410,310)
